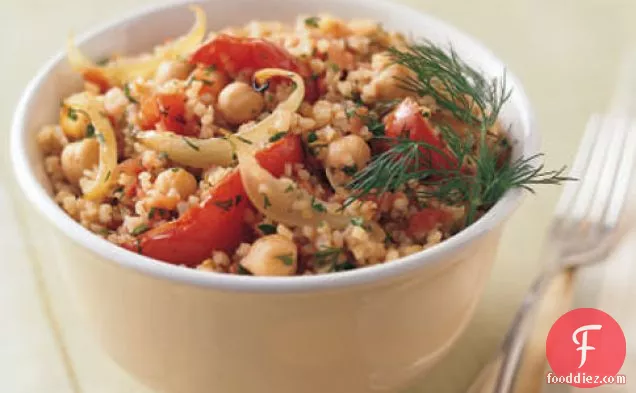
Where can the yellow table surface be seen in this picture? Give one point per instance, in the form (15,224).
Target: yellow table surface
(565,52)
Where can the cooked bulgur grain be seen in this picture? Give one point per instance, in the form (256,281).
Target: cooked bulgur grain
(273,150)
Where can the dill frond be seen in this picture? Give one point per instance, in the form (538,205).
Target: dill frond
(478,179)
(455,86)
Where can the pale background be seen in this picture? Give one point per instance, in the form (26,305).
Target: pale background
(565,53)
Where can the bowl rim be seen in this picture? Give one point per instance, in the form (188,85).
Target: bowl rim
(37,195)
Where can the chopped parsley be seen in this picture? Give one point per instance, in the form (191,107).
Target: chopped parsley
(225,205)
(357,98)
(174,170)
(107,176)
(314,76)
(357,221)
(327,256)
(72,113)
(242,271)
(103,61)
(127,93)
(139,229)
(312,21)
(211,68)
(266,202)
(317,206)
(240,138)
(334,67)
(157,211)
(267,229)
(138,241)
(348,265)
(287,259)
(191,144)
(289,188)
(163,155)
(312,137)
(90,130)
(277,136)
(100,137)
(350,169)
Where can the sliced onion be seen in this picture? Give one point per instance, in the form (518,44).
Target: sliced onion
(124,70)
(97,189)
(276,198)
(201,153)
(197,153)
(292,103)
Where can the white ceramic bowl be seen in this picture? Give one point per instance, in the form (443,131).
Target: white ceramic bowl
(180,330)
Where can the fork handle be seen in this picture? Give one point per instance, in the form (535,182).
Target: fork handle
(557,300)
(497,376)
(514,343)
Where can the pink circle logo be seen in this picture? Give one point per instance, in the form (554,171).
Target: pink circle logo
(586,348)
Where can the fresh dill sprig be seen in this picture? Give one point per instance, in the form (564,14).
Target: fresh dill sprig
(455,86)
(489,182)
(476,189)
(476,178)
(392,169)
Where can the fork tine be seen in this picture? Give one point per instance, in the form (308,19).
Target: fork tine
(579,165)
(590,178)
(607,180)
(623,179)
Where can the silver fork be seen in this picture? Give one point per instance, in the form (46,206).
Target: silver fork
(582,231)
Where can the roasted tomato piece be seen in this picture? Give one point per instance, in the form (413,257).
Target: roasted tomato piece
(218,223)
(422,222)
(407,120)
(168,110)
(236,55)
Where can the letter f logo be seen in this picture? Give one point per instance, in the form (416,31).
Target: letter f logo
(583,344)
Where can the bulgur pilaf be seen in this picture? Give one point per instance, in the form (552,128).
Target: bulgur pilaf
(273,149)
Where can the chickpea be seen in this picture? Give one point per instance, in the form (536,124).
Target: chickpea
(386,85)
(272,255)
(348,153)
(78,157)
(177,179)
(239,103)
(171,69)
(73,122)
